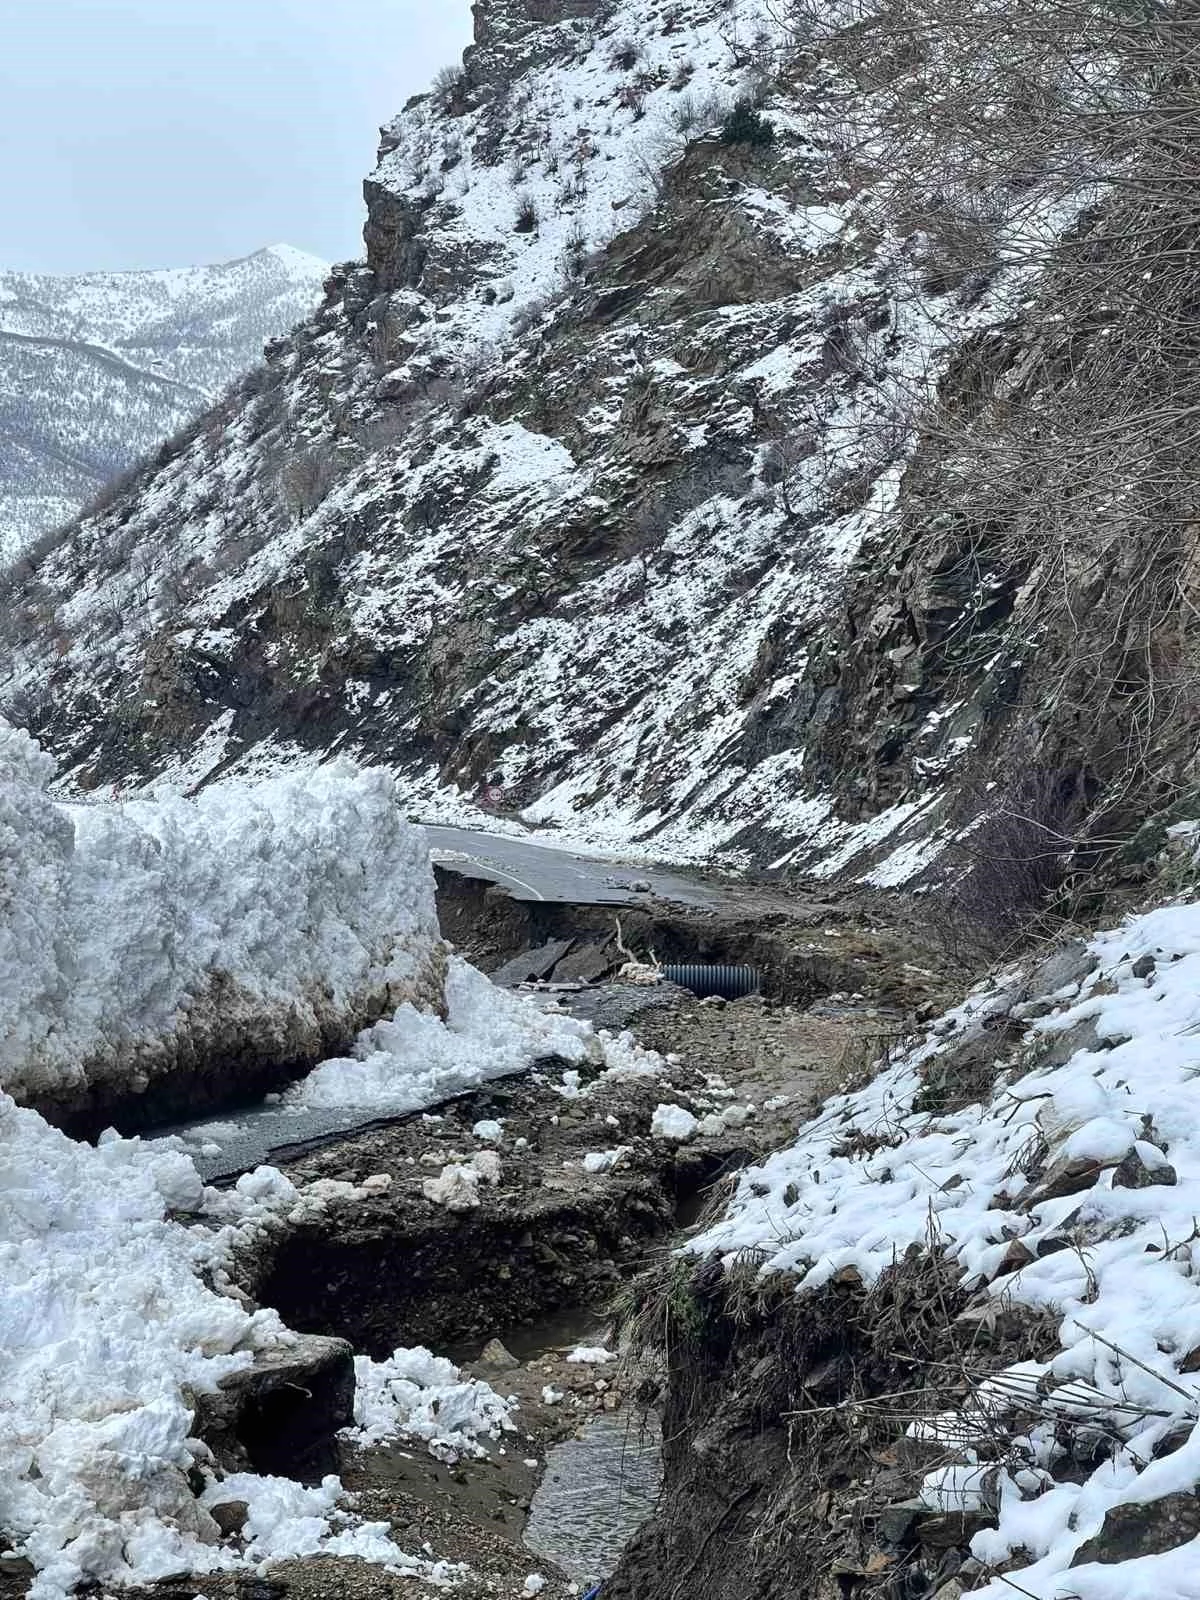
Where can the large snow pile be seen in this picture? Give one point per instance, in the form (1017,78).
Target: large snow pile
(115,1260)
(140,937)
(105,1325)
(1089,1148)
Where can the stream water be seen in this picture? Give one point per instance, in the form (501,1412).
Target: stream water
(596,1492)
(598,1488)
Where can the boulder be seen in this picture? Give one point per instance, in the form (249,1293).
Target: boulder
(1142,1530)
(282,1414)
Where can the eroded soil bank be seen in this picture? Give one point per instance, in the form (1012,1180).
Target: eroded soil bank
(558,1238)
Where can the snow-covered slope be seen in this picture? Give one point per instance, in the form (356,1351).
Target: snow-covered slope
(98,369)
(630,475)
(1045,1141)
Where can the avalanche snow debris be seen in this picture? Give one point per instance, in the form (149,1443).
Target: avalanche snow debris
(1104,1093)
(107,1329)
(594,1355)
(414,1058)
(117,1305)
(673,1122)
(140,936)
(417,1395)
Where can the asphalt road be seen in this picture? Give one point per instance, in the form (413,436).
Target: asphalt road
(223,1147)
(237,1141)
(533,871)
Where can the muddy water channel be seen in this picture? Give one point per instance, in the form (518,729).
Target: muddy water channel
(575,1483)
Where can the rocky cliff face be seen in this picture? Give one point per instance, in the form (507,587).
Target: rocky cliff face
(629,474)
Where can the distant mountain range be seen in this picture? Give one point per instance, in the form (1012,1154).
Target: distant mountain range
(97,369)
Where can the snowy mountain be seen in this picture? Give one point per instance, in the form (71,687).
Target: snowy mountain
(760,432)
(638,473)
(98,369)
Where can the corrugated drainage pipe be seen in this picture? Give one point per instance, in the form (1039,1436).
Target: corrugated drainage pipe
(704,978)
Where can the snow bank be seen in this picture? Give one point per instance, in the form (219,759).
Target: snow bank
(106,1331)
(1090,1139)
(417,1395)
(268,921)
(287,902)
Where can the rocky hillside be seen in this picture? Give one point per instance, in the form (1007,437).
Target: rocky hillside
(97,369)
(686,461)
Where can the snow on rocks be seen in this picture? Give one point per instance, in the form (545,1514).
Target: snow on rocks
(597,1161)
(1072,1190)
(679,1124)
(417,1395)
(108,1325)
(593,1355)
(107,1328)
(673,1122)
(616,147)
(457,1185)
(140,938)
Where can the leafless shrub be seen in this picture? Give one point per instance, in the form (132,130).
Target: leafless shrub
(1011,856)
(573,188)
(633,98)
(574,251)
(531,313)
(1059,523)
(526,220)
(699,113)
(625,54)
(449,86)
(958,237)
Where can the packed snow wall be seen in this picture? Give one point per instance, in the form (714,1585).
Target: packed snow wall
(163,956)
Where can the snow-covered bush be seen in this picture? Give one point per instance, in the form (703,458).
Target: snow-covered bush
(745,125)
(152,936)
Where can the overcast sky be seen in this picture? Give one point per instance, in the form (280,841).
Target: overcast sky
(148,133)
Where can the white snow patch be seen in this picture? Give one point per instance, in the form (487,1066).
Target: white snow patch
(140,934)
(673,1122)
(106,1327)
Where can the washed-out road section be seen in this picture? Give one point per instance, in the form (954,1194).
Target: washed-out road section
(238,1141)
(533,870)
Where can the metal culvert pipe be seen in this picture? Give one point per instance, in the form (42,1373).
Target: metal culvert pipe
(707,978)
